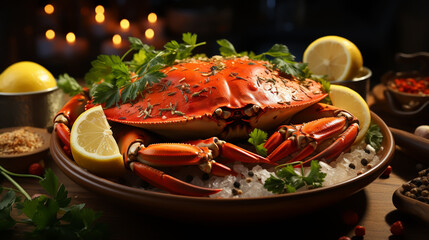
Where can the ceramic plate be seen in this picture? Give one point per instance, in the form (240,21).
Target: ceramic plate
(168,205)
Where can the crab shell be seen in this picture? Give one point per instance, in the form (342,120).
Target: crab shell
(224,97)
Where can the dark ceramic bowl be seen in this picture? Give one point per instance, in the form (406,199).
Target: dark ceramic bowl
(199,208)
(19,163)
(401,103)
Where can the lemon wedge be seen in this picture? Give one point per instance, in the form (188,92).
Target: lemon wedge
(26,76)
(348,99)
(334,56)
(93,146)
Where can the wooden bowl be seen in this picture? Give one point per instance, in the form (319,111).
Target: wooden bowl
(236,209)
(410,205)
(19,163)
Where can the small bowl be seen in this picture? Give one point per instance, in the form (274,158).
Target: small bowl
(410,205)
(35,109)
(405,101)
(360,83)
(20,162)
(211,209)
(401,103)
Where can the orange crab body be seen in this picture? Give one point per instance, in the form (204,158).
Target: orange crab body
(217,97)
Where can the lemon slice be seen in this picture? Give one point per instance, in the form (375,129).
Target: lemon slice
(334,56)
(348,99)
(93,146)
(26,76)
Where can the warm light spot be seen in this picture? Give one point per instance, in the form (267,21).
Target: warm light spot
(49,9)
(149,33)
(152,17)
(99,9)
(70,37)
(50,34)
(125,24)
(116,39)
(99,17)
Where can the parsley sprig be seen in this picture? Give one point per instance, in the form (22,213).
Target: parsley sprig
(50,216)
(278,55)
(258,138)
(112,79)
(374,137)
(286,180)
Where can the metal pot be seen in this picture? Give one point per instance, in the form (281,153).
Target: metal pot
(35,109)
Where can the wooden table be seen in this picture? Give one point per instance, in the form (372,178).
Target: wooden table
(373,205)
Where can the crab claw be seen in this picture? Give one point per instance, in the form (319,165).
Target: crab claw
(164,181)
(303,139)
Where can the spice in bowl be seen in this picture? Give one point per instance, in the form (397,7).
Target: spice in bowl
(411,85)
(22,140)
(418,188)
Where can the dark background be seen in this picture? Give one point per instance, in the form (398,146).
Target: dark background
(379,28)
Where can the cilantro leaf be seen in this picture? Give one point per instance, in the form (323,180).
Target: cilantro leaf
(226,48)
(374,137)
(286,180)
(6,203)
(69,85)
(105,93)
(258,139)
(50,182)
(315,177)
(50,217)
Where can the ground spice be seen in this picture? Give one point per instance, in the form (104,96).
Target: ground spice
(19,141)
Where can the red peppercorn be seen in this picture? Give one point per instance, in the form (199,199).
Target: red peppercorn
(387,172)
(36,169)
(360,231)
(397,228)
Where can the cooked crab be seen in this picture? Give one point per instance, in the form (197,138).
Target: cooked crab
(203,101)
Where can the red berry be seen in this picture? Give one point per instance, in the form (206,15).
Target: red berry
(397,228)
(360,231)
(387,172)
(36,169)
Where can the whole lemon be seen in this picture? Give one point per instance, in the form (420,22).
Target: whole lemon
(26,76)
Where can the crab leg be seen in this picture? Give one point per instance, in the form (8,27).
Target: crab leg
(229,151)
(164,181)
(140,160)
(305,138)
(67,115)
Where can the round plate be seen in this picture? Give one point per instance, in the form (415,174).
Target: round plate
(20,162)
(169,205)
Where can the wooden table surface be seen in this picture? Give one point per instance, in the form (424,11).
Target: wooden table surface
(373,205)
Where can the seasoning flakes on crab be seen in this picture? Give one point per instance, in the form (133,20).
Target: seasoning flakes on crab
(225,97)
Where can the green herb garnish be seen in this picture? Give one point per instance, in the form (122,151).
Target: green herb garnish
(50,216)
(374,137)
(69,85)
(110,80)
(286,180)
(258,139)
(280,57)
